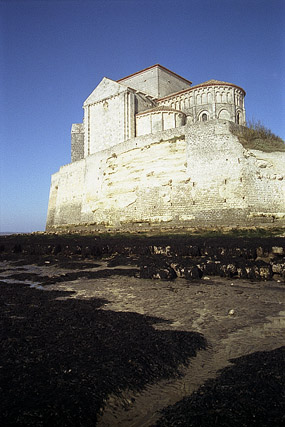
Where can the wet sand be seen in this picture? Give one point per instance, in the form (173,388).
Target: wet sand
(90,342)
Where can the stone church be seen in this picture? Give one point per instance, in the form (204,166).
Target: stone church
(156,153)
(150,101)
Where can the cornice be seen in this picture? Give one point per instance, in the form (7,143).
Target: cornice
(193,88)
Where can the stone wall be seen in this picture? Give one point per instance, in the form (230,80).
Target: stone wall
(197,175)
(109,116)
(112,112)
(65,201)
(77,142)
(156,81)
(158,120)
(216,101)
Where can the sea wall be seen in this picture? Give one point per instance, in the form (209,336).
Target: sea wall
(197,175)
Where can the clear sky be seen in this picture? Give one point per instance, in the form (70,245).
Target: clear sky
(53,53)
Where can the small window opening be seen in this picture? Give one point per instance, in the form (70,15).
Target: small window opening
(204,117)
(238,118)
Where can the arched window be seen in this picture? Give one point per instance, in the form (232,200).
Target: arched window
(204,117)
(238,118)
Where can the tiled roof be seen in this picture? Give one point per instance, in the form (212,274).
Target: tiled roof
(207,83)
(216,82)
(154,66)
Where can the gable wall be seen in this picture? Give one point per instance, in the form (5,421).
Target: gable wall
(145,81)
(168,83)
(156,82)
(108,122)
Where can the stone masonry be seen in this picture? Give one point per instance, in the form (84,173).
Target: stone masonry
(154,152)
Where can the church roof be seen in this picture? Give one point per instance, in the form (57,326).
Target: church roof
(155,66)
(211,82)
(216,82)
(160,108)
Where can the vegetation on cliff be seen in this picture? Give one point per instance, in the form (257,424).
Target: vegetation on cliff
(256,136)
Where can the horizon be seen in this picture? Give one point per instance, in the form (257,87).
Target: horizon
(56,52)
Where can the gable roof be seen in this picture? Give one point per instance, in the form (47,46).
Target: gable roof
(155,66)
(105,89)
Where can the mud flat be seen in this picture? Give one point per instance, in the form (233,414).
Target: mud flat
(111,332)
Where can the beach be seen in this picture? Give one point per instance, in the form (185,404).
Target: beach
(108,331)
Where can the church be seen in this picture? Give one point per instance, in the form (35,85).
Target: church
(149,101)
(155,153)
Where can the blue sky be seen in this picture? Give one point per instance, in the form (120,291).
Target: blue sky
(53,53)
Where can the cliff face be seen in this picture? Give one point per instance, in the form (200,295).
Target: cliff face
(195,175)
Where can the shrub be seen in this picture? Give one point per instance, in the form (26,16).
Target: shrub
(257,137)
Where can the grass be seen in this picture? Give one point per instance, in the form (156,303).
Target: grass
(256,136)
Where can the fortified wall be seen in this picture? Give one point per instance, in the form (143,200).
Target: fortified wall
(155,153)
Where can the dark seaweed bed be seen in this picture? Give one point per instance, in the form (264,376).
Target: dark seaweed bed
(250,393)
(61,358)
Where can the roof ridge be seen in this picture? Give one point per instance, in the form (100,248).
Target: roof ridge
(153,66)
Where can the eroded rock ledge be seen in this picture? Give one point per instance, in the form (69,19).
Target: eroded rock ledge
(159,257)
